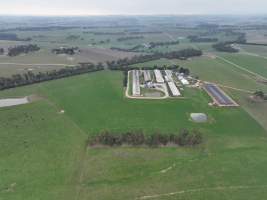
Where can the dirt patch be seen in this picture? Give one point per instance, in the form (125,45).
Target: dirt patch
(13,102)
(34,97)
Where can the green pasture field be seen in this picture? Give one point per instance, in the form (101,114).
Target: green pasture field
(44,156)
(220,72)
(97,52)
(44,153)
(254,49)
(159,62)
(253,63)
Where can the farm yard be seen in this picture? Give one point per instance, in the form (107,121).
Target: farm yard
(46,127)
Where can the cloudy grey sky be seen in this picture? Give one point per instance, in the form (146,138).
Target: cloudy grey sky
(131,7)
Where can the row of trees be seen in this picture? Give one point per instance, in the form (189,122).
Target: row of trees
(260,95)
(144,32)
(195,38)
(225,47)
(31,78)
(68,51)
(138,138)
(17,50)
(256,44)
(40,28)
(158,44)
(141,47)
(228,45)
(121,39)
(132,49)
(104,33)
(240,37)
(12,37)
(123,64)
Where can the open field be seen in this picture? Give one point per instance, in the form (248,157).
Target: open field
(229,77)
(255,64)
(44,144)
(255,50)
(44,60)
(233,154)
(257,36)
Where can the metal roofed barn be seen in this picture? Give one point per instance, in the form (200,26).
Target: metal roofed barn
(174,90)
(147,76)
(158,76)
(219,97)
(168,75)
(183,80)
(136,83)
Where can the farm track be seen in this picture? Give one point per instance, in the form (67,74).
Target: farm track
(220,188)
(234,88)
(78,174)
(241,68)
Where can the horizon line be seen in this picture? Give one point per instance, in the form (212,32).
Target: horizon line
(103,15)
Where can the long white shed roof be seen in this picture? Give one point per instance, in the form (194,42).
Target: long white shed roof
(158,76)
(174,90)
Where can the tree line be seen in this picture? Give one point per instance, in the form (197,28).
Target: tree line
(260,95)
(104,33)
(68,51)
(31,78)
(122,64)
(144,32)
(135,48)
(12,37)
(158,44)
(225,47)
(140,47)
(195,38)
(41,28)
(17,50)
(228,45)
(121,39)
(256,44)
(138,138)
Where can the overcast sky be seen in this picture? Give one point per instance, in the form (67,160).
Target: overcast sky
(131,7)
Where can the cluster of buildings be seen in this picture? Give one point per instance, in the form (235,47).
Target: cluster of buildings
(156,78)
(182,79)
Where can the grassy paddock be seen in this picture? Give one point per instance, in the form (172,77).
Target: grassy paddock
(47,150)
